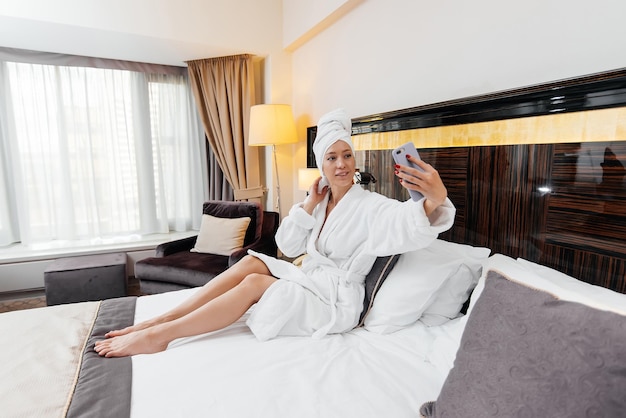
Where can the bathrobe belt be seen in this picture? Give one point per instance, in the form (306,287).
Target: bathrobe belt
(336,277)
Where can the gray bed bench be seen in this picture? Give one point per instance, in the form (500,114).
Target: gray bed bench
(86,278)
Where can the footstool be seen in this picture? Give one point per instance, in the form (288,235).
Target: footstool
(86,278)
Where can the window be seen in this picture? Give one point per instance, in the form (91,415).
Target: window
(95,152)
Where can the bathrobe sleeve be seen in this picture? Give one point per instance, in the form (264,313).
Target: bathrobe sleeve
(294,231)
(404,226)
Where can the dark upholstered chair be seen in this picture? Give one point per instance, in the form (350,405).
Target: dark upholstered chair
(175,267)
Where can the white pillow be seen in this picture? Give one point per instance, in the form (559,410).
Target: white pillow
(416,279)
(450,298)
(552,281)
(569,288)
(221,236)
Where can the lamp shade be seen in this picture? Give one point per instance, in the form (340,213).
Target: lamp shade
(272,124)
(306,177)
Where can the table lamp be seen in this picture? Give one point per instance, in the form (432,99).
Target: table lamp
(306,177)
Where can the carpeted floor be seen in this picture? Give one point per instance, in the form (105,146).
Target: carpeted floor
(39,301)
(22,303)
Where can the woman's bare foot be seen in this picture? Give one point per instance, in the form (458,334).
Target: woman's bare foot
(134,328)
(145,341)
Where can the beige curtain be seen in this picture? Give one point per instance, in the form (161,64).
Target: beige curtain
(219,187)
(224,91)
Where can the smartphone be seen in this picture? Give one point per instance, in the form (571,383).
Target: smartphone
(399,156)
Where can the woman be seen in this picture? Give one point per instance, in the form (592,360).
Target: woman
(341,227)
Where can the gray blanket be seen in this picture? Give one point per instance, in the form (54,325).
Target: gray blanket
(49,367)
(103,387)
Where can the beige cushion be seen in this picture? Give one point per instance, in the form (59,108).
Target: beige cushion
(221,236)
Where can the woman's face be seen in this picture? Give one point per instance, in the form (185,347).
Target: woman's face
(339,164)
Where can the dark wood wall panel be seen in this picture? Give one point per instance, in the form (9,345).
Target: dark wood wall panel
(507,206)
(553,204)
(451,164)
(588,200)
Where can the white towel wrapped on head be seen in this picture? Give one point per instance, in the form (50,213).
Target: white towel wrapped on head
(331,127)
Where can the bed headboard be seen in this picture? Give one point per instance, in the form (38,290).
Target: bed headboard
(537,173)
(547,203)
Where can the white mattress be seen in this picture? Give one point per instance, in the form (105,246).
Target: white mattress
(230,374)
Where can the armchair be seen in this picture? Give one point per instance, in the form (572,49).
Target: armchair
(176,267)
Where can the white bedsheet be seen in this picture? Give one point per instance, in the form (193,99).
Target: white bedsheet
(230,374)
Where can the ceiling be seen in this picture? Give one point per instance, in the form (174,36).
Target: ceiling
(169,37)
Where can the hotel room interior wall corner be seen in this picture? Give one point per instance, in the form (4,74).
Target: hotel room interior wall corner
(303,20)
(273,86)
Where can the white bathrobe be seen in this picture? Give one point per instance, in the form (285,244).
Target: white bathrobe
(326,294)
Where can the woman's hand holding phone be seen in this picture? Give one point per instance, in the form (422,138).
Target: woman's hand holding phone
(406,158)
(419,177)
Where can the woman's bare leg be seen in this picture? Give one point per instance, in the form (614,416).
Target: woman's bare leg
(218,313)
(214,288)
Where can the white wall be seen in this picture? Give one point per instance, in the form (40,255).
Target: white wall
(390,55)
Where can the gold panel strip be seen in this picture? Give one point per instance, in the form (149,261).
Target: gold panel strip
(586,126)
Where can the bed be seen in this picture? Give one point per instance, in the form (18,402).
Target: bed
(520,310)
(549,346)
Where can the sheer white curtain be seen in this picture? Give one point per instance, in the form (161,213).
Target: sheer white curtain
(89,153)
